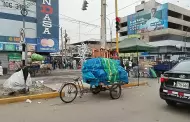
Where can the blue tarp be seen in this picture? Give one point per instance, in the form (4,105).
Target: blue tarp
(103,70)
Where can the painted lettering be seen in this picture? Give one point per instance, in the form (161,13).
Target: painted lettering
(47,23)
(47,18)
(46,31)
(48,2)
(46,9)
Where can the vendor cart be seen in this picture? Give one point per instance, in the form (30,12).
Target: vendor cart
(101,74)
(69,91)
(39,69)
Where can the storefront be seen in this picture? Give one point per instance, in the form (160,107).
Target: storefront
(12,59)
(9,53)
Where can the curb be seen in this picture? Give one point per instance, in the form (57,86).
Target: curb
(31,97)
(135,84)
(51,95)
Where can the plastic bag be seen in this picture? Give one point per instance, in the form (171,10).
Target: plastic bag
(16,82)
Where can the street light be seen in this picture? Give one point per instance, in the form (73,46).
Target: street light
(111,25)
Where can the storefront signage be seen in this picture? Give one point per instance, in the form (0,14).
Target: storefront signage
(47,25)
(31,48)
(18,47)
(9,47)
(1,47)
(9,39)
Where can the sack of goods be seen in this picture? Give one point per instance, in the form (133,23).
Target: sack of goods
(103,70)
(37,57)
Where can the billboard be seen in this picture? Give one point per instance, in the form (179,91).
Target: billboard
(47,25)
(148,20)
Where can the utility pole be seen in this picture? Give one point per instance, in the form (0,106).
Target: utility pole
(117,34)
(24,13)
(62,43)
(65,45)
(79,31)
(103,24)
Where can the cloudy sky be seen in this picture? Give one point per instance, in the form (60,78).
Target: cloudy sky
(71,9)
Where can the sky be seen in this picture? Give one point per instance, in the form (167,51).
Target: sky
(72,9)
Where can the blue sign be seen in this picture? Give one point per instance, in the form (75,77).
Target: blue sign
(18,47)
(148,20)
(48,22)
(47,45)
(1,47)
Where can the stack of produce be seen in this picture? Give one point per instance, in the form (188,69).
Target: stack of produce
(103,70)
(37,57)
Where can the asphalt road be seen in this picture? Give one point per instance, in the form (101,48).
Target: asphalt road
(138,104)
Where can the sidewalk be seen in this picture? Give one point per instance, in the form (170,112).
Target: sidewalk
(53,72)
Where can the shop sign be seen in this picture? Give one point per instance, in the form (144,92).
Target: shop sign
(1,47)
(10,47)
(18,47)
(31,48)
(13,39)
(14,56)
(47,25)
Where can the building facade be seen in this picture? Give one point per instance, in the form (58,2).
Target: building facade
(41,28)
(164,25)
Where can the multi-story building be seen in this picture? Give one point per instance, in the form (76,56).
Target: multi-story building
(41,28)
(164,25)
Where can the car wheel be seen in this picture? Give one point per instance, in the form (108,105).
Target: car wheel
(171,103)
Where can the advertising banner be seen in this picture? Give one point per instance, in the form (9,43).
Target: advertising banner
(47,45)
(47,25)
(145,21)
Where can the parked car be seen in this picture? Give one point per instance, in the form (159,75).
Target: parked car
(174,86)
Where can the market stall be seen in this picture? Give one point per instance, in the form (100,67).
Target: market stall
(134,45)
(38,65)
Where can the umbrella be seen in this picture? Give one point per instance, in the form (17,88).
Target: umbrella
(130,45)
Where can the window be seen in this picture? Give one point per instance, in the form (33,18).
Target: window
(183,66)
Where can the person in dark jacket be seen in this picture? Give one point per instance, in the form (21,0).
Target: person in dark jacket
(121,62)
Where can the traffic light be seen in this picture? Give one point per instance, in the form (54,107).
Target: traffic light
(84,6)
(117,23)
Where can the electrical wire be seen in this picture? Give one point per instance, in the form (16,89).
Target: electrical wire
(118,10)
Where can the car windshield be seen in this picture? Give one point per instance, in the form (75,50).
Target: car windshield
(182,66)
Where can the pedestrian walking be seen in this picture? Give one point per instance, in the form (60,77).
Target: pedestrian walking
(1,69)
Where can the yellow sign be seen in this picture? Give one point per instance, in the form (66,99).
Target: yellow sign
(14,39)
(31,48)
(134,36)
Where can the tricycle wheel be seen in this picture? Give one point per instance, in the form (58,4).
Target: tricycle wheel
(68,92)
(95,90)
(115,91)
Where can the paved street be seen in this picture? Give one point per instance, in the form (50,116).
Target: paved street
(138,104)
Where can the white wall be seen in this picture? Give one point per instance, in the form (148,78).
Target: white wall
(14,10)
(11,27)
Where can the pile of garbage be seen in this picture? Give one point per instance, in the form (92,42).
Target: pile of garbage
(16,85)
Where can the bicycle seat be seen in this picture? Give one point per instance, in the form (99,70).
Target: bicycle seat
(76,79)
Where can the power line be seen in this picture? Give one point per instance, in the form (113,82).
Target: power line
(118,10)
